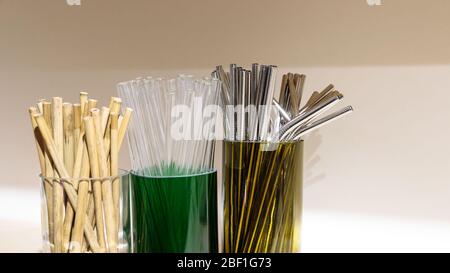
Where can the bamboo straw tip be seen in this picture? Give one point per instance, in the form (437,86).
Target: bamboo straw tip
(117,100)
(57,99)
(83,93)
(32,110)
(95,111)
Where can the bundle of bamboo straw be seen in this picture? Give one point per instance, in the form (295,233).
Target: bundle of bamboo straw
(78,146)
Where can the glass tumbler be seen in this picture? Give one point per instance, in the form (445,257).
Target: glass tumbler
(64,230)
(262,196)
(175,214)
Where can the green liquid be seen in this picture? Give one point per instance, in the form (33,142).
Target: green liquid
(175,214)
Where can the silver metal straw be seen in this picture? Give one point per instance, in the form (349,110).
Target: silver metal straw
(285,115)
(297,122)
(256,88)
(323,121)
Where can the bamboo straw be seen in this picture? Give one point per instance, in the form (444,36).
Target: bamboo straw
(69,157)
(107,195)
(38,139)
(90,213)
(81,169)
(115,108)
(114,158)
(123,125)
(95,172)
(40,146)
(104,118)
(83,194)
(62,172)
(91,206)
(77,157)
(58,192)
(69,142)
(84,98)
(76,125)
(40,105)
(92,104)
(47,114)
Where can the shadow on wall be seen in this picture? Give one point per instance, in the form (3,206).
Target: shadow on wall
(312,159)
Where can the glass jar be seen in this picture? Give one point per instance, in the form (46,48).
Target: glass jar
(175,214)
(262,196)
(65,229)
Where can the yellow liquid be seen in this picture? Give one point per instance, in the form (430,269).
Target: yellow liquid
(263,197)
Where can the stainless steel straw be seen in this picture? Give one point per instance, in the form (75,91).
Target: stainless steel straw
(323,121)
(248,97)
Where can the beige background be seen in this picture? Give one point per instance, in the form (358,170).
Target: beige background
(375,181)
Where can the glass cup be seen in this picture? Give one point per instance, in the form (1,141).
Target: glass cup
(176,214)
(62,229)
(262,196)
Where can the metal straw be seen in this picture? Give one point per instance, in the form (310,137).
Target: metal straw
(251,94)
(323,121)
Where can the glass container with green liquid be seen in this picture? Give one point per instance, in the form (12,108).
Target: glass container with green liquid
(175,214)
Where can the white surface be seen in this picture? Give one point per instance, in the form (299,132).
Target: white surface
(20,229)
(322,231)
(338,232)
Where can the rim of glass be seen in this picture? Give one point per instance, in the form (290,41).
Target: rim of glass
(122,173)
(265,141)
(132,172)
